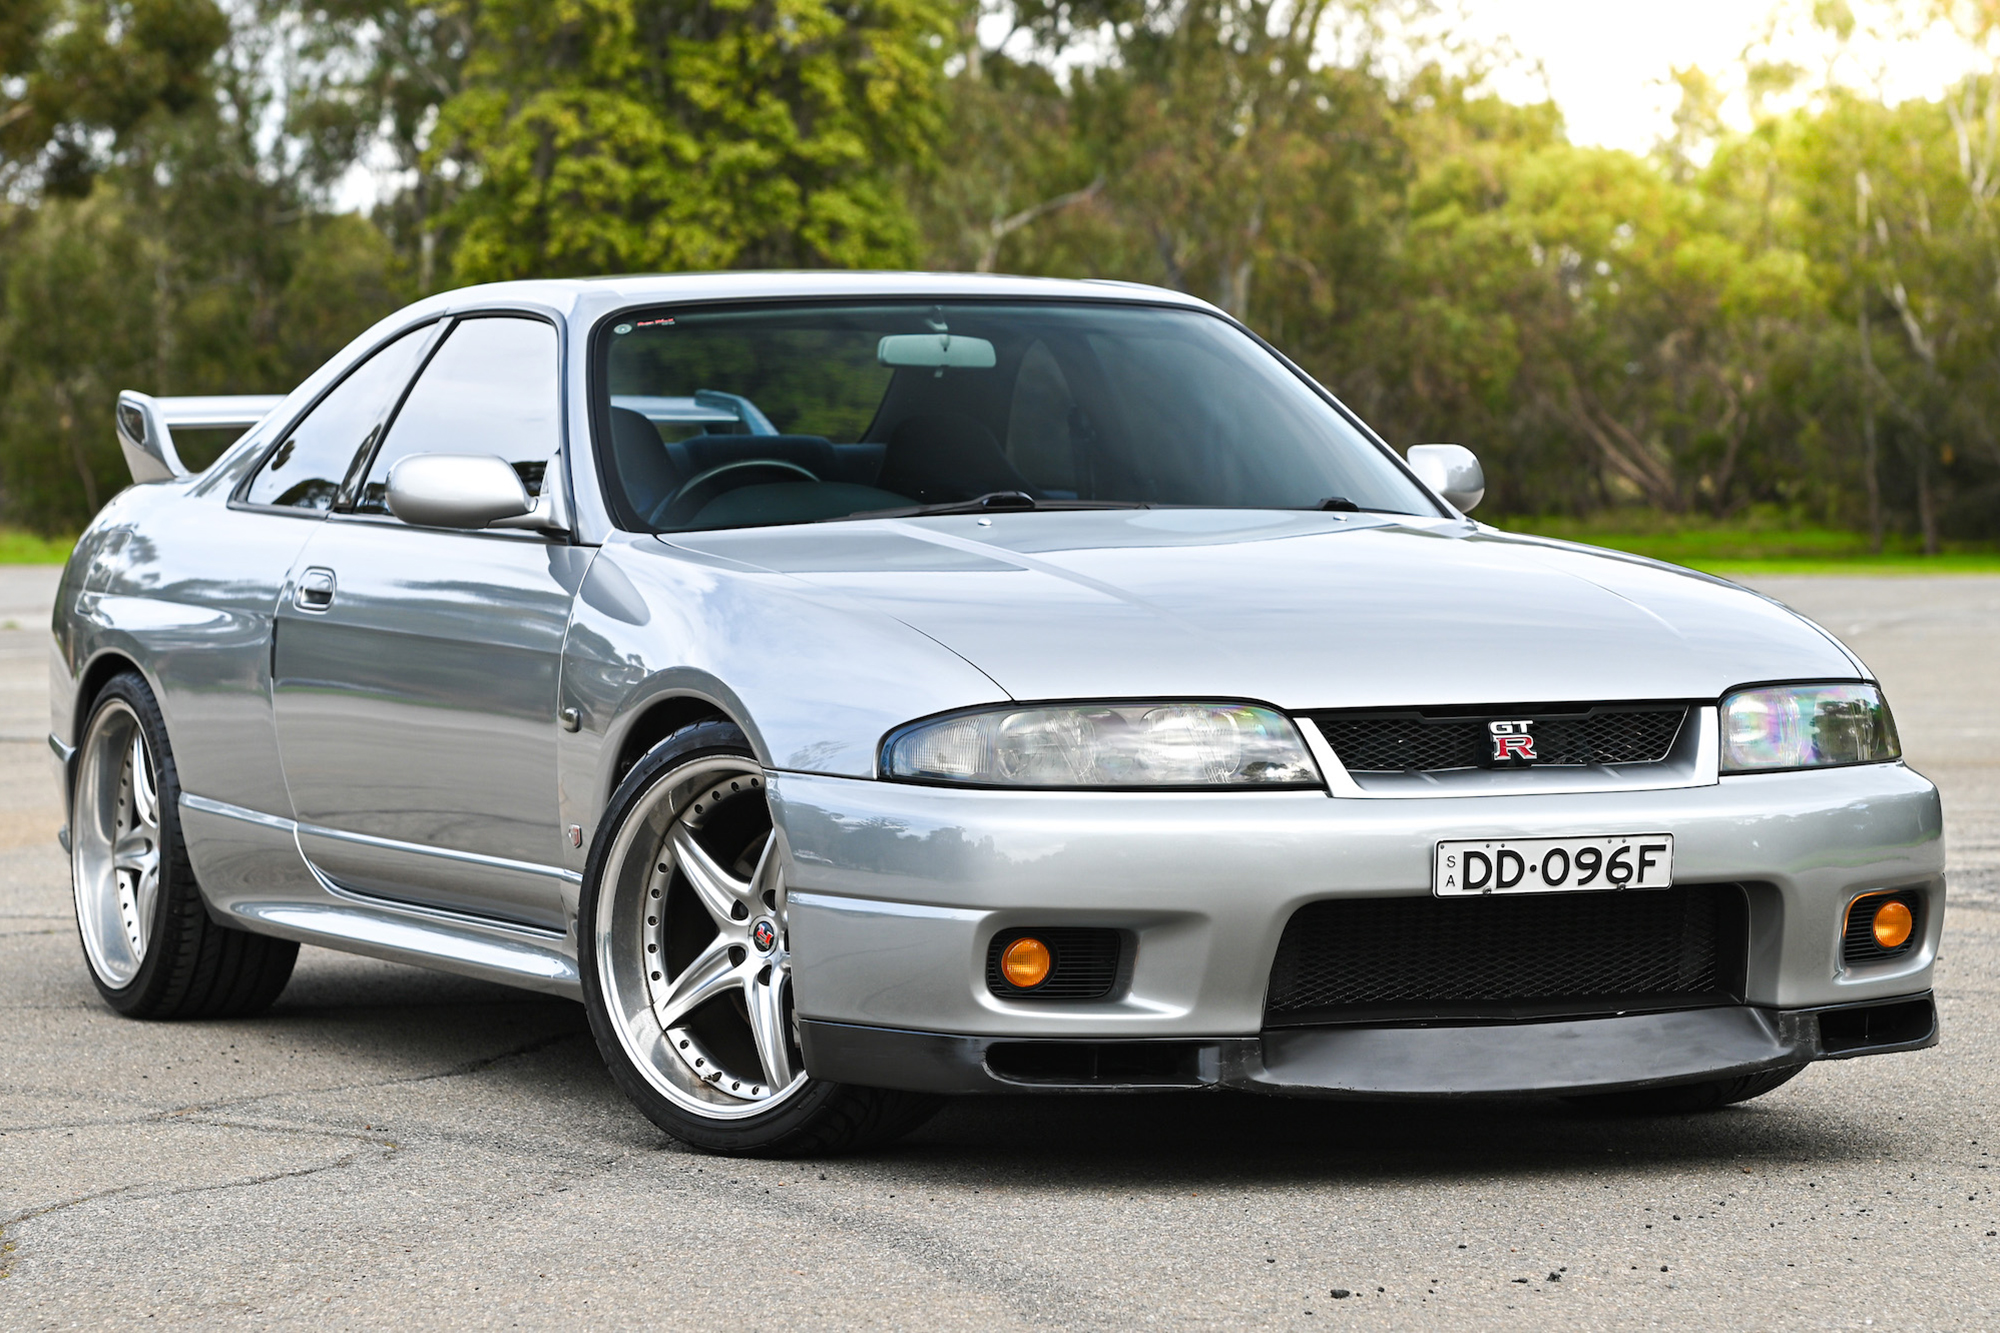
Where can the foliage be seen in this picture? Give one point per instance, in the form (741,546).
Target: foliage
(620,135)
(153,241)
(1798,318)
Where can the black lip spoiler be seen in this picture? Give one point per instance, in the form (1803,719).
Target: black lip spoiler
(1559,1058)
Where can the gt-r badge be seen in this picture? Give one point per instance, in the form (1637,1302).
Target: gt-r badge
(1512,741)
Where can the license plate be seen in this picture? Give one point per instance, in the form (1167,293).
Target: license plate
(1471,869)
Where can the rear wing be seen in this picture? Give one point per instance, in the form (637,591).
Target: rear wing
(146,434)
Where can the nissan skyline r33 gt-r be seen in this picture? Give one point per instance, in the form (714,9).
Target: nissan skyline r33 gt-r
(859,688)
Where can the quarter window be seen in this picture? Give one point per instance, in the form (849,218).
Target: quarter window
(490,389)
(306,470)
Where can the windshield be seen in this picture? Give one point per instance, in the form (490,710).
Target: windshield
(737,418)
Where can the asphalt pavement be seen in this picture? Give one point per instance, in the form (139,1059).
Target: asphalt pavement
(393,1147)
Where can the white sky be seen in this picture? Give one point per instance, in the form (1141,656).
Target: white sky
(1605,60)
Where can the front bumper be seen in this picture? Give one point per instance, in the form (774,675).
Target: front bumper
(896,892)
(896,889)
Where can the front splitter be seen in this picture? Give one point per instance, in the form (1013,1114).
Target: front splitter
(1562,1057)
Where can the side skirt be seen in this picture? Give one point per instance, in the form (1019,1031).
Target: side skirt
(255,878)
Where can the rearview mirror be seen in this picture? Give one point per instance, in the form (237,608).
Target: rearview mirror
(935,351)
(456,491)
(1452,471)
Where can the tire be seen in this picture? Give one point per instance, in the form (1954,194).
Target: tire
(152,949)
(1687,1098)
(686,965)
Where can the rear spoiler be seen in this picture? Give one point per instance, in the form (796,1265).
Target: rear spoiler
(145,426)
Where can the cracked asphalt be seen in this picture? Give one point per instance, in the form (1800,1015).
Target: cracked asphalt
(391,1146)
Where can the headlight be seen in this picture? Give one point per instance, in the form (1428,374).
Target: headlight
(1105,745)
(1806,726)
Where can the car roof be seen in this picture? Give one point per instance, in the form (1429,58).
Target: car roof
(589,298)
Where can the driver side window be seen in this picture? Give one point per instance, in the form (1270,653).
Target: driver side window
(306,470)
(490,389)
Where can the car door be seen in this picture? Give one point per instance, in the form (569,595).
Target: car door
(416,669)
(209,576)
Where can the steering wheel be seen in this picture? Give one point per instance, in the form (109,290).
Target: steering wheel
(698,490)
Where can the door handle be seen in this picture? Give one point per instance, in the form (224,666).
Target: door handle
(315,590)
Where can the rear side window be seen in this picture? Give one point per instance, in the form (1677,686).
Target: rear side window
(490,389)
(305,472)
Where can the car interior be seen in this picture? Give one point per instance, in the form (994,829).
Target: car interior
(738,419)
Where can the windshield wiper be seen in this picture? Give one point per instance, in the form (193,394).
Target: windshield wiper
(1340,504)
(993,502)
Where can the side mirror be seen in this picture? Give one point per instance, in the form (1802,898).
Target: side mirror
(1452,471)
(456,491)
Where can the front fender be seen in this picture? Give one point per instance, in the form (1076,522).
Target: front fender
(814,678)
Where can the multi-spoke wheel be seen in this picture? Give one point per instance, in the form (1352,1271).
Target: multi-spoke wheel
(152,949)
(687,961)
(117,845)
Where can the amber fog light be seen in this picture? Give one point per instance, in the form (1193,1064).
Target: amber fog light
(1882,926)
(1893,923)
(1025,962)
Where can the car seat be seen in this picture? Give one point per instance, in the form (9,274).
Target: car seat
(645,463)
(945,456)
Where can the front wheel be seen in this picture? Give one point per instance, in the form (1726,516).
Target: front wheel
(687,969)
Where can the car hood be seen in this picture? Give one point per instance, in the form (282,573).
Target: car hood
(1300,610)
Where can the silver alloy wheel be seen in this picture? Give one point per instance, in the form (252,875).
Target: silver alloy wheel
(691,943)
(115,861)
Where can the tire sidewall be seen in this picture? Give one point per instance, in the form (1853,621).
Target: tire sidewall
(763,1133)
(176,882)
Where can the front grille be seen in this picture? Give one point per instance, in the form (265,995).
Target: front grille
(1509,957)
(1859,945)
(1084,964)
(1564,735)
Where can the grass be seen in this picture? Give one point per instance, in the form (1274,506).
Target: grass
(1760,542)
(21,547)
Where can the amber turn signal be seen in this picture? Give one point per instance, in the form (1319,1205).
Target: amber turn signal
(1893,924)
(1025,962)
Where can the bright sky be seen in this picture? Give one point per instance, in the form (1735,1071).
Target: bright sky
(1605,59)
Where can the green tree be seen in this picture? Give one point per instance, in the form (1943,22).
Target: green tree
(369,81)
(604,136)
(161,242)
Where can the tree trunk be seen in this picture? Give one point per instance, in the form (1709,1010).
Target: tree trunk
(1002,227)
(163,320)
(1625,453)
(1870,450)
(66,423)
(1926,507)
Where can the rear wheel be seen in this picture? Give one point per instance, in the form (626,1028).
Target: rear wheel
(1683,1098)
(687,968)
(152,948)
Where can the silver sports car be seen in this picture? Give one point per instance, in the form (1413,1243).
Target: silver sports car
(857,688)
